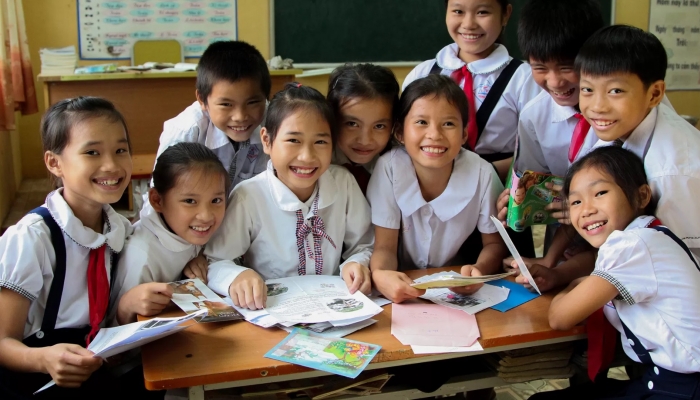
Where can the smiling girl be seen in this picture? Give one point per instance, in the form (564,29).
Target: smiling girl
(303,216)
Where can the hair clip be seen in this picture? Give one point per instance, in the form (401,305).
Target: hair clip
(298,85)
(335,83)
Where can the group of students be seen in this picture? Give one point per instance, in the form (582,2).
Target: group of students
(365,184)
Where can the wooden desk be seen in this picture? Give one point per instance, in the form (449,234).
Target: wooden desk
(146,99)
(221,355)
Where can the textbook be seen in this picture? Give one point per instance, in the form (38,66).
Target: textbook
(192,295)
(443,281)
(529,196)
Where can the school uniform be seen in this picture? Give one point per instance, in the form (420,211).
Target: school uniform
(432,232)
(194,125)
(362,173)
(669,146)
(499,131)
(45,259)
(658,280)
(278,235)
(152,254)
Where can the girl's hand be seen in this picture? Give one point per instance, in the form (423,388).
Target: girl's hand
(468,270)
(502,205)
(545,278)
(69,364)
(395,286)
(197,268)
(357,277)
(248,290)
(146,299)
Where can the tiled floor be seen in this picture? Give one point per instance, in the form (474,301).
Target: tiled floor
(31,194)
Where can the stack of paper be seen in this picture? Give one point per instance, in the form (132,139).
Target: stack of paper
(56,62)
(453,279)
(434,329)
(482,299)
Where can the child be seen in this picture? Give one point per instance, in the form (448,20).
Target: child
(187,205)
(495,84)
(430,194)
(645,277)
(622,72)
(364,98)
(302,216)
(57,263)
(233,85)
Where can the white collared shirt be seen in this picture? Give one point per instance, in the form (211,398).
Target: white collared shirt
(194,125)
(152,254)
(500,130)
(28,260)
(670,148)
(432,232)
(260,225)
(658,285)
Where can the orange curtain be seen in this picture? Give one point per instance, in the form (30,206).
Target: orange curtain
(16,80)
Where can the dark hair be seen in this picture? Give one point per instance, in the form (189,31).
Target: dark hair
(555,30)
(504,4)
(365,81)
(626,169)
(623,49)
(295,97)
(231,61)
(181,158)
(436,86)
(60,118)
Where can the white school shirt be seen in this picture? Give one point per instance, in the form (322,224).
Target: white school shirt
(28,260)
(151,254)
(658,285)
(194,125)
(432,232)
(500,130)
(261,226)
(670,148)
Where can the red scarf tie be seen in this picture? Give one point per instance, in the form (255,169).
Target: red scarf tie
(98,290)
(472,129)
(579,136)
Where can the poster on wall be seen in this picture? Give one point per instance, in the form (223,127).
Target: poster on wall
(107,29)
(677,24)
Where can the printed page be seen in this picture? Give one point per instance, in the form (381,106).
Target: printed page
(192,295)
(454,279)
(484,298)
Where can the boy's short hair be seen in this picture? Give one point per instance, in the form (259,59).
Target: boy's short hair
(623,49)
(231,61)
(555,30)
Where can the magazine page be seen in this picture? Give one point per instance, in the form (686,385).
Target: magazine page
(529,196)
(192,295)
(316,298)
(484,298)
(448,280)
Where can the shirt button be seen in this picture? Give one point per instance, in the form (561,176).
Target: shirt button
(40,335)
(656,370)
(631,342)
(650,385)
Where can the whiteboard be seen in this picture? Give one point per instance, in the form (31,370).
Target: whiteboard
(677,25)
(107,29)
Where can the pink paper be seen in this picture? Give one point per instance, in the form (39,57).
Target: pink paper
(432,325)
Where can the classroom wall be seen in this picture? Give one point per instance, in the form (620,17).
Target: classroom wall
(10,171)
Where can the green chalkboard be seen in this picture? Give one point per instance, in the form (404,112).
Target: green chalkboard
(332,31)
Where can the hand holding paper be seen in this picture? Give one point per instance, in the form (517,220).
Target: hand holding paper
(514,252)
(448,281)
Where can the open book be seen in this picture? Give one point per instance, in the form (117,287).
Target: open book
(192,295)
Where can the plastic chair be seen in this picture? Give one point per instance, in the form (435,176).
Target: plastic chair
(161,51)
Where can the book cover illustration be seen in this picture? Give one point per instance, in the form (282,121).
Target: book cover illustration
(529,196)
(338,356)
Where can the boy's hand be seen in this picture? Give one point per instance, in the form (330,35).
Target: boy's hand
(357,277)
(502,205)
(248,290)
(468,270)
(557,207)
(395,286)
(545,278)
(69,364)
(147,298)
(197,268)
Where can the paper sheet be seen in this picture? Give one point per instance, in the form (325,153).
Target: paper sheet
(440,349)
(438,281)
(192,295)
(514,253)
(432,325)
(338,331)
(484,298)
(518,295)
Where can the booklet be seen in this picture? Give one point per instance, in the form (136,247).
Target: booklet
(528,198)
(112,341)
(448,280)
(337,356)
(192,295)
(317,298)
(484,298)
(514,252)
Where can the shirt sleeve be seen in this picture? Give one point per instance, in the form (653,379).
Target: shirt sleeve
(231,241)
(359,235)
(420,71)
(491,188)
(625,261)
(24,258)
(385,210)
(672,193)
